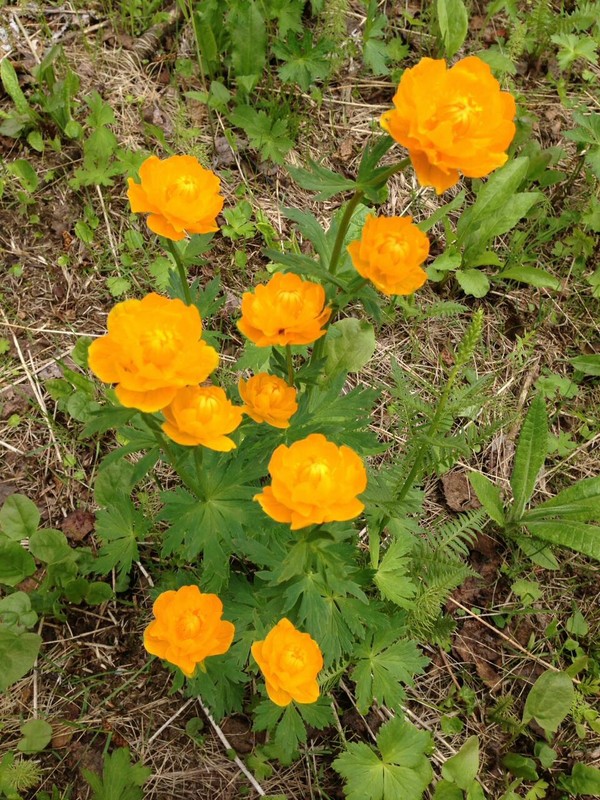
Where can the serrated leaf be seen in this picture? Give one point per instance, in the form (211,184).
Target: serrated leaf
(266,134)
(392,576)
(530,455)
(578,536)
(305,62)
(473,282)
(317,178)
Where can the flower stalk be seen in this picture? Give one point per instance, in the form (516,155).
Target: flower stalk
(172,247)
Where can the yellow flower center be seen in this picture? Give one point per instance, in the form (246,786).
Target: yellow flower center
(459,112)
(292,300)
(294,659)
(186,185)
(160,342)
(316,471)
(394,248)
(188,625)
(207,405)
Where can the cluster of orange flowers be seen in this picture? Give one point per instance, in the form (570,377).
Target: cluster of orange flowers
(188,628)
(451,120)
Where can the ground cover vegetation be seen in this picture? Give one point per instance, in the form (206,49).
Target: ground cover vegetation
(299,495)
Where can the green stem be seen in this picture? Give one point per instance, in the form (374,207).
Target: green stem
(290,364)
(181,270)
(163,444)
(342,230)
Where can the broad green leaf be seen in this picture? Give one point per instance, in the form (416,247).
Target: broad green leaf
(493,196)
(589,365)
(305,62)
(15,563)
(349,345)
(463,767)
(36,735)
(98,592)
(569,533)
(520,766)
(454,23)
(473,282)
(392,577)
(537,550)
(550,700)
(530,455)
(18,652)
(325,182)
(19,517)
(533,276)
(583,780)
(10,81)
(444,790)
(16,612)
(50,546)
(581,501)
(400,742)
(489,496)
(502,221)
(248,39)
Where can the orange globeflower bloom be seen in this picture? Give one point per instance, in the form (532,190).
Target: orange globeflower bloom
(268,398)
(313,481)
(287,310)
(179,194)
(188,628)
(151,350)
(390,253)
(202,415)
(451,120)
(290,662)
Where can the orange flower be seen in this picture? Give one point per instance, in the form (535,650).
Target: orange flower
(390,253)
(287,310)
(268,398)
(179,194)
(290,662)
(313,481)
(188,628)
(451,120)
(152,349)
(202,415)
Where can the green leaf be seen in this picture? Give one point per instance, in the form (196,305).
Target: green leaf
(119,528)
(444,790)
(19,517)
(121,780)
(454,24)
(549,701)
(15,563)
(581,502)
(98,592)
(290,731)
(248,39)
(583,780)
(489,496)
(520,766)
(538,551)
(325,182)
(577,536)
(383,667)
(589,365)
(473,282)
(349,345)
(533,276)
(463,767)
(305,62)
(12,88)
(18,652)
(16,613)
(266,134)
(392,577)
(36,735)
(530,455)
(50,546)
(402,774)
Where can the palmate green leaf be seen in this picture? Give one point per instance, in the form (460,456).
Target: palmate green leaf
(581,502)
(325,182)
(290,731)
(305,62)
(288,14)
(578,536)
(403,772)
(266,134)
(120,780)
(119,528)
(392,576)
(221,684)
(384,666)
(530,455)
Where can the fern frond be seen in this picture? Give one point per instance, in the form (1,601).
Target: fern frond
(456,536)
